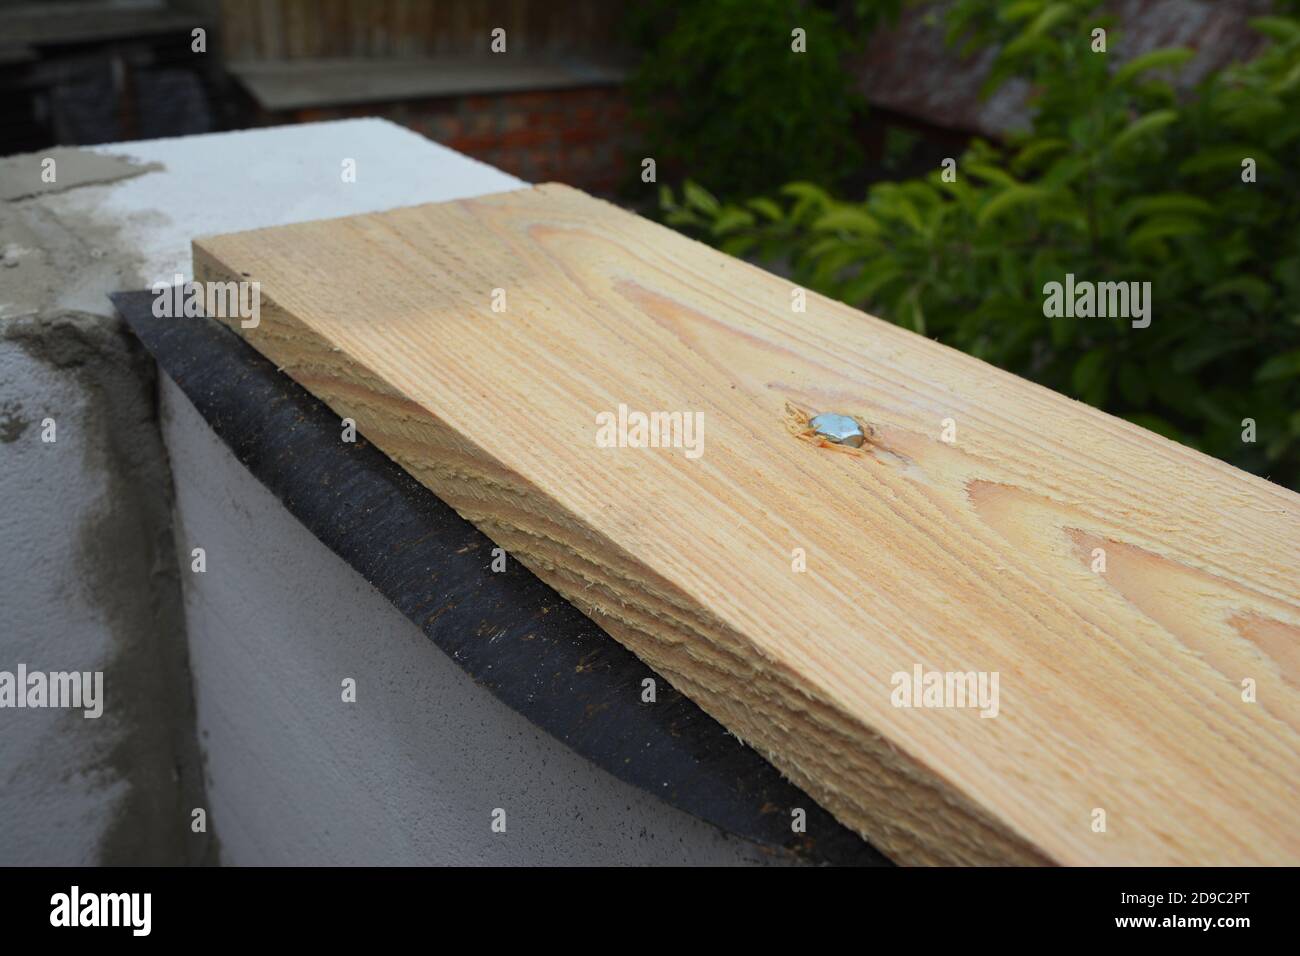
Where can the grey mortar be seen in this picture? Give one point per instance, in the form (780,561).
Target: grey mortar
(21,176)
(127,556)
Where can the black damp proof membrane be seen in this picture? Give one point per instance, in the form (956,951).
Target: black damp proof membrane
(509,631)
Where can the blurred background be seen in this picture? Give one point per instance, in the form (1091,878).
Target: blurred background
(935,163)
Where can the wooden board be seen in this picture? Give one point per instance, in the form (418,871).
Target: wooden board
(1118,691)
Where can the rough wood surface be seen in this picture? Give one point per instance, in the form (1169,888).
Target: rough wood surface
(1119,691)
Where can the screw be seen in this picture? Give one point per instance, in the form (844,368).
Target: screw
(839,429)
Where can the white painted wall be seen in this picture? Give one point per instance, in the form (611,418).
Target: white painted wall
(226,182)
(411,772)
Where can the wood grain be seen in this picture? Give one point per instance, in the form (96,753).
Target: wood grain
(1120,691)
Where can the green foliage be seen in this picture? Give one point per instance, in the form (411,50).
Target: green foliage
(721,97)
(1118,180)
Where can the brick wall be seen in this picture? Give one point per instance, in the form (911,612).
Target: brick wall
(577,136)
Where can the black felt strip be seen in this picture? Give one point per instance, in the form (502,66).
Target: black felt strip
(510,632)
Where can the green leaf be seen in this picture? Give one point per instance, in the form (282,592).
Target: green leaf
(1172,203)
(1277,447)
(848,219)
(822,246)
(1165,227)
(1089,372)
(902,208)
(1197,354)
(1168,58)
(1225,157)
(738,245)
(1049,18)
(1062,329)
(767,207)
(697,197)
(1248,107)
(683,217)
(1064,171)
(1279,367)
(1019,10)
(1147,125)
(1255,290)
(1035,34)
(990,174)
(1281,29)
(731,218)
(809,197)
(1010,199)
(871,280)
(1028,157)
(1020,46)
(960,190)
(809,191)
(1065,210)
(832,260)
(1288,82)
(920,192)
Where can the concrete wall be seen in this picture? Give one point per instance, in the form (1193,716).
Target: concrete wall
(87,572)
(89,579)
(88,583)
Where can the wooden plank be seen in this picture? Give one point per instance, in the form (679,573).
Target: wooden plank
(1119,691)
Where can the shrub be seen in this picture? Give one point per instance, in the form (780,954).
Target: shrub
(1119,179)
(719,91)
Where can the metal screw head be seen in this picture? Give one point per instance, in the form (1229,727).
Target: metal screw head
(839,429)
